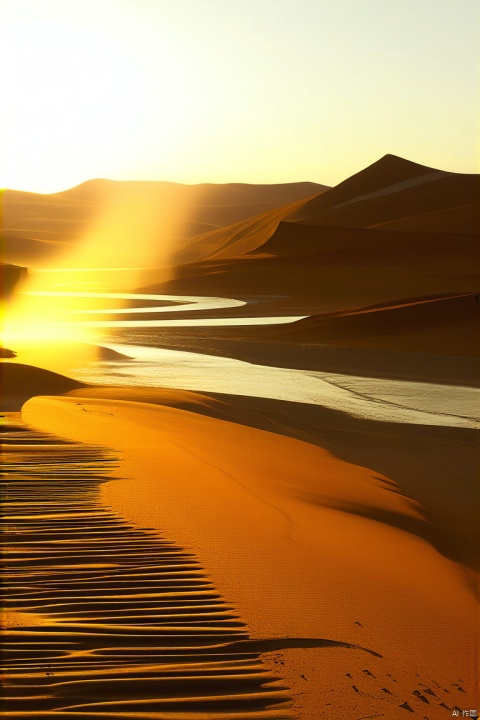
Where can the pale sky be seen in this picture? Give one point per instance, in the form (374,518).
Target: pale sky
(258,91)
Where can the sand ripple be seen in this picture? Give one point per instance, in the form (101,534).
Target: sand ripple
(104,620)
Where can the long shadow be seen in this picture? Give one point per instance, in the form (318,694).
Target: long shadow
(434,466)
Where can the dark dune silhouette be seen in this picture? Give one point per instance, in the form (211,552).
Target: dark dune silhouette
(442,326)
(346,246)
(366,245)
(20,382)
(326,269)
(390,189)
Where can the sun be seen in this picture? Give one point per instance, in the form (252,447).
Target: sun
(68,96)
(78,97)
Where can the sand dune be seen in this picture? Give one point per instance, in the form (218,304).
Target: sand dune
(237,239)
(442,326)
(30,220)
(323,255)
(365,245)
(20,382)
(323,269)
(289,527)
(31,250)
(390,189)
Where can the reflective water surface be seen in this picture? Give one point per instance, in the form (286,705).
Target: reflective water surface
(370,398)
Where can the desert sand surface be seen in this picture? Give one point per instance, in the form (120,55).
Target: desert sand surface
(172,554)
(293,535)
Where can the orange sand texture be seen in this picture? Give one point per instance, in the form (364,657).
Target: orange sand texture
(222,557)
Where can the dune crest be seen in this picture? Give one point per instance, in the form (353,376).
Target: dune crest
(390,189)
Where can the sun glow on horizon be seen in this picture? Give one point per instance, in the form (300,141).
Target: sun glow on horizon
(220,92)
(84,93)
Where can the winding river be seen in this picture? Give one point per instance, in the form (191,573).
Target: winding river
(371,398)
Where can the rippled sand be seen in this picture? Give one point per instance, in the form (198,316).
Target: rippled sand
(106,620)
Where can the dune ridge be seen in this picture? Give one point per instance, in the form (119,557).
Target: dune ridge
(19,382)
(395,230)
(238,239)
(459,219)
(390,189)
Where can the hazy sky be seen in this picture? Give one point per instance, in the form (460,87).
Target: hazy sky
(234,90)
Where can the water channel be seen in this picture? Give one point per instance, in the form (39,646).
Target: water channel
(371,398)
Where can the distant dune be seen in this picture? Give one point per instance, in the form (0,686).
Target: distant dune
(393,231)
(442,326)
(390,189)
(33,223)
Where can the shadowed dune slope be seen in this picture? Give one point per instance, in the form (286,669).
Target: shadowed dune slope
(461,219)
(390,189)
(29,250)
(338,268)
(365,245)
(20,382)
(443,326)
